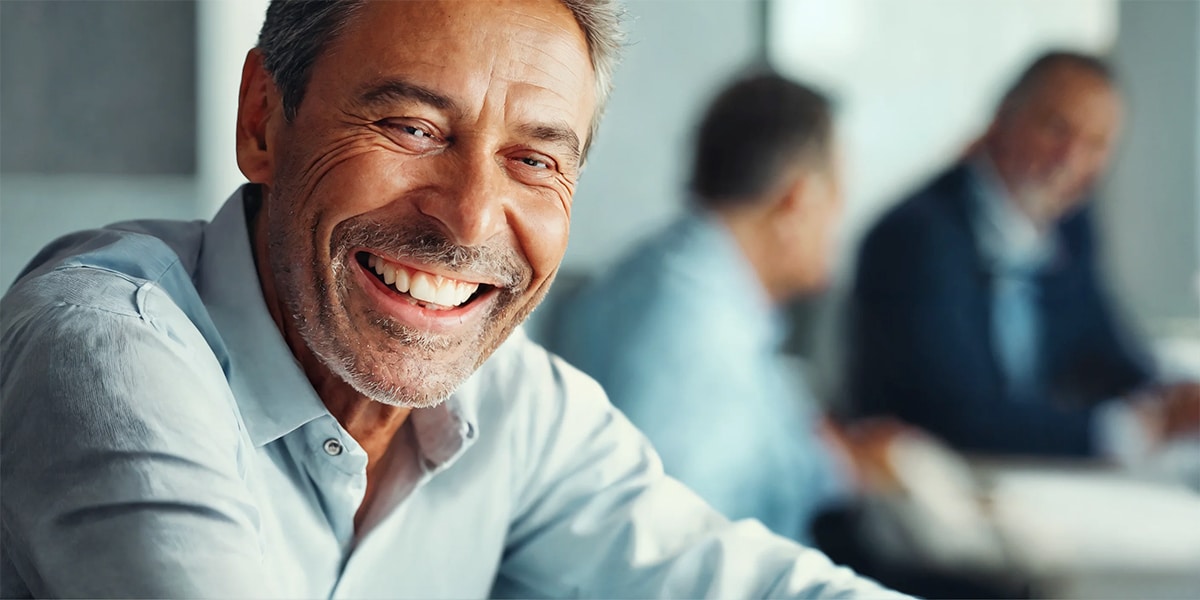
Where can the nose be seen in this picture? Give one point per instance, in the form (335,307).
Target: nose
(472,205)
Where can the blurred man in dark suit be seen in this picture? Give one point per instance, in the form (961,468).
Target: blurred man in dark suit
(977,311)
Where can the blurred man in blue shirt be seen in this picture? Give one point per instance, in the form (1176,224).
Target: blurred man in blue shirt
(685,332)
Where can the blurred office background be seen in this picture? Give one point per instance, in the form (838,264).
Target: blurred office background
(120,109)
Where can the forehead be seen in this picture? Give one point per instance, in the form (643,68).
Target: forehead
(1077,93)
(527,50)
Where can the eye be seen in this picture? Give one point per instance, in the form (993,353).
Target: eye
(532,167)
(410,129)
(412,134)
(415,131)
(534,162)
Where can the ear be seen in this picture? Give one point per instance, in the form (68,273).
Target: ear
(792,200)
(259,109)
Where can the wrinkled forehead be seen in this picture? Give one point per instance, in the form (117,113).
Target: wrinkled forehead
(533,49)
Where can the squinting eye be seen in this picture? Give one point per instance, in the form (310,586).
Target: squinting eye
(535,163)
(415,131)
(409,128)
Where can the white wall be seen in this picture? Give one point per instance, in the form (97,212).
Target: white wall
(917,80)
(679,54)
(226,30)
(1151,206)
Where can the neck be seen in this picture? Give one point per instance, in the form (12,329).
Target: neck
(747,230)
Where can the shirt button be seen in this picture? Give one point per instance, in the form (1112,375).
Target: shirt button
(333,447)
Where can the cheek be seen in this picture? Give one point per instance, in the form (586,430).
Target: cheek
(541,227)
(346,168)
(352,186)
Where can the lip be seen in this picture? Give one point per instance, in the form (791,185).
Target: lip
(418,317)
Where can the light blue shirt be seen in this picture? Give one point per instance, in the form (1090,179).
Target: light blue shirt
(682,336)
(1016,253)
(159,439)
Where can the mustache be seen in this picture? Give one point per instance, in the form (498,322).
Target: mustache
(426,243)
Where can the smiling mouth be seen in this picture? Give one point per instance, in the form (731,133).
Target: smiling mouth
(429,291)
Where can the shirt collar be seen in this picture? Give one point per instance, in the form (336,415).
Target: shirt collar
(1007,238)
(272,391)
(444,431)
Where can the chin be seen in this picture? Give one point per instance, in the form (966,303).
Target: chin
(407,386)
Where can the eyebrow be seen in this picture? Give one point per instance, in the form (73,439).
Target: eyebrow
(391,91)
(559,134)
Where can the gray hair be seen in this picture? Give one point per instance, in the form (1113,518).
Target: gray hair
(1039,73)
(296,31)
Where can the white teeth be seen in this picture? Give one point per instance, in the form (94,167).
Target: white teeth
(447,294)
(464,291)
(401,280)
(421,287)
(425,287)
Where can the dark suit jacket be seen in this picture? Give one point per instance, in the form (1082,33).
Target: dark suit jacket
(921,340)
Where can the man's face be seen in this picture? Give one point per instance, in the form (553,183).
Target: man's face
(419,202)
(1051,147)
(817,224)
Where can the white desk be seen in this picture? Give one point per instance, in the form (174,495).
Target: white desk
(1094,532)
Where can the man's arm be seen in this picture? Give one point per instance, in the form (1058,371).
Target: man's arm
(598,518)
(122,470)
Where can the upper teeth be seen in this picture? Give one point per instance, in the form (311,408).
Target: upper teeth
(423,286)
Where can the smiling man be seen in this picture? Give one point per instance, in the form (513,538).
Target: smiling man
(322,392)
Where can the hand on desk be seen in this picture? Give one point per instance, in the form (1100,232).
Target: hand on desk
(1170,411)
(867,445)
(1181,409)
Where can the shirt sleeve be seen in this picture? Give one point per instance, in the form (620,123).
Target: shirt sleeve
(121,448)
(598,518)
